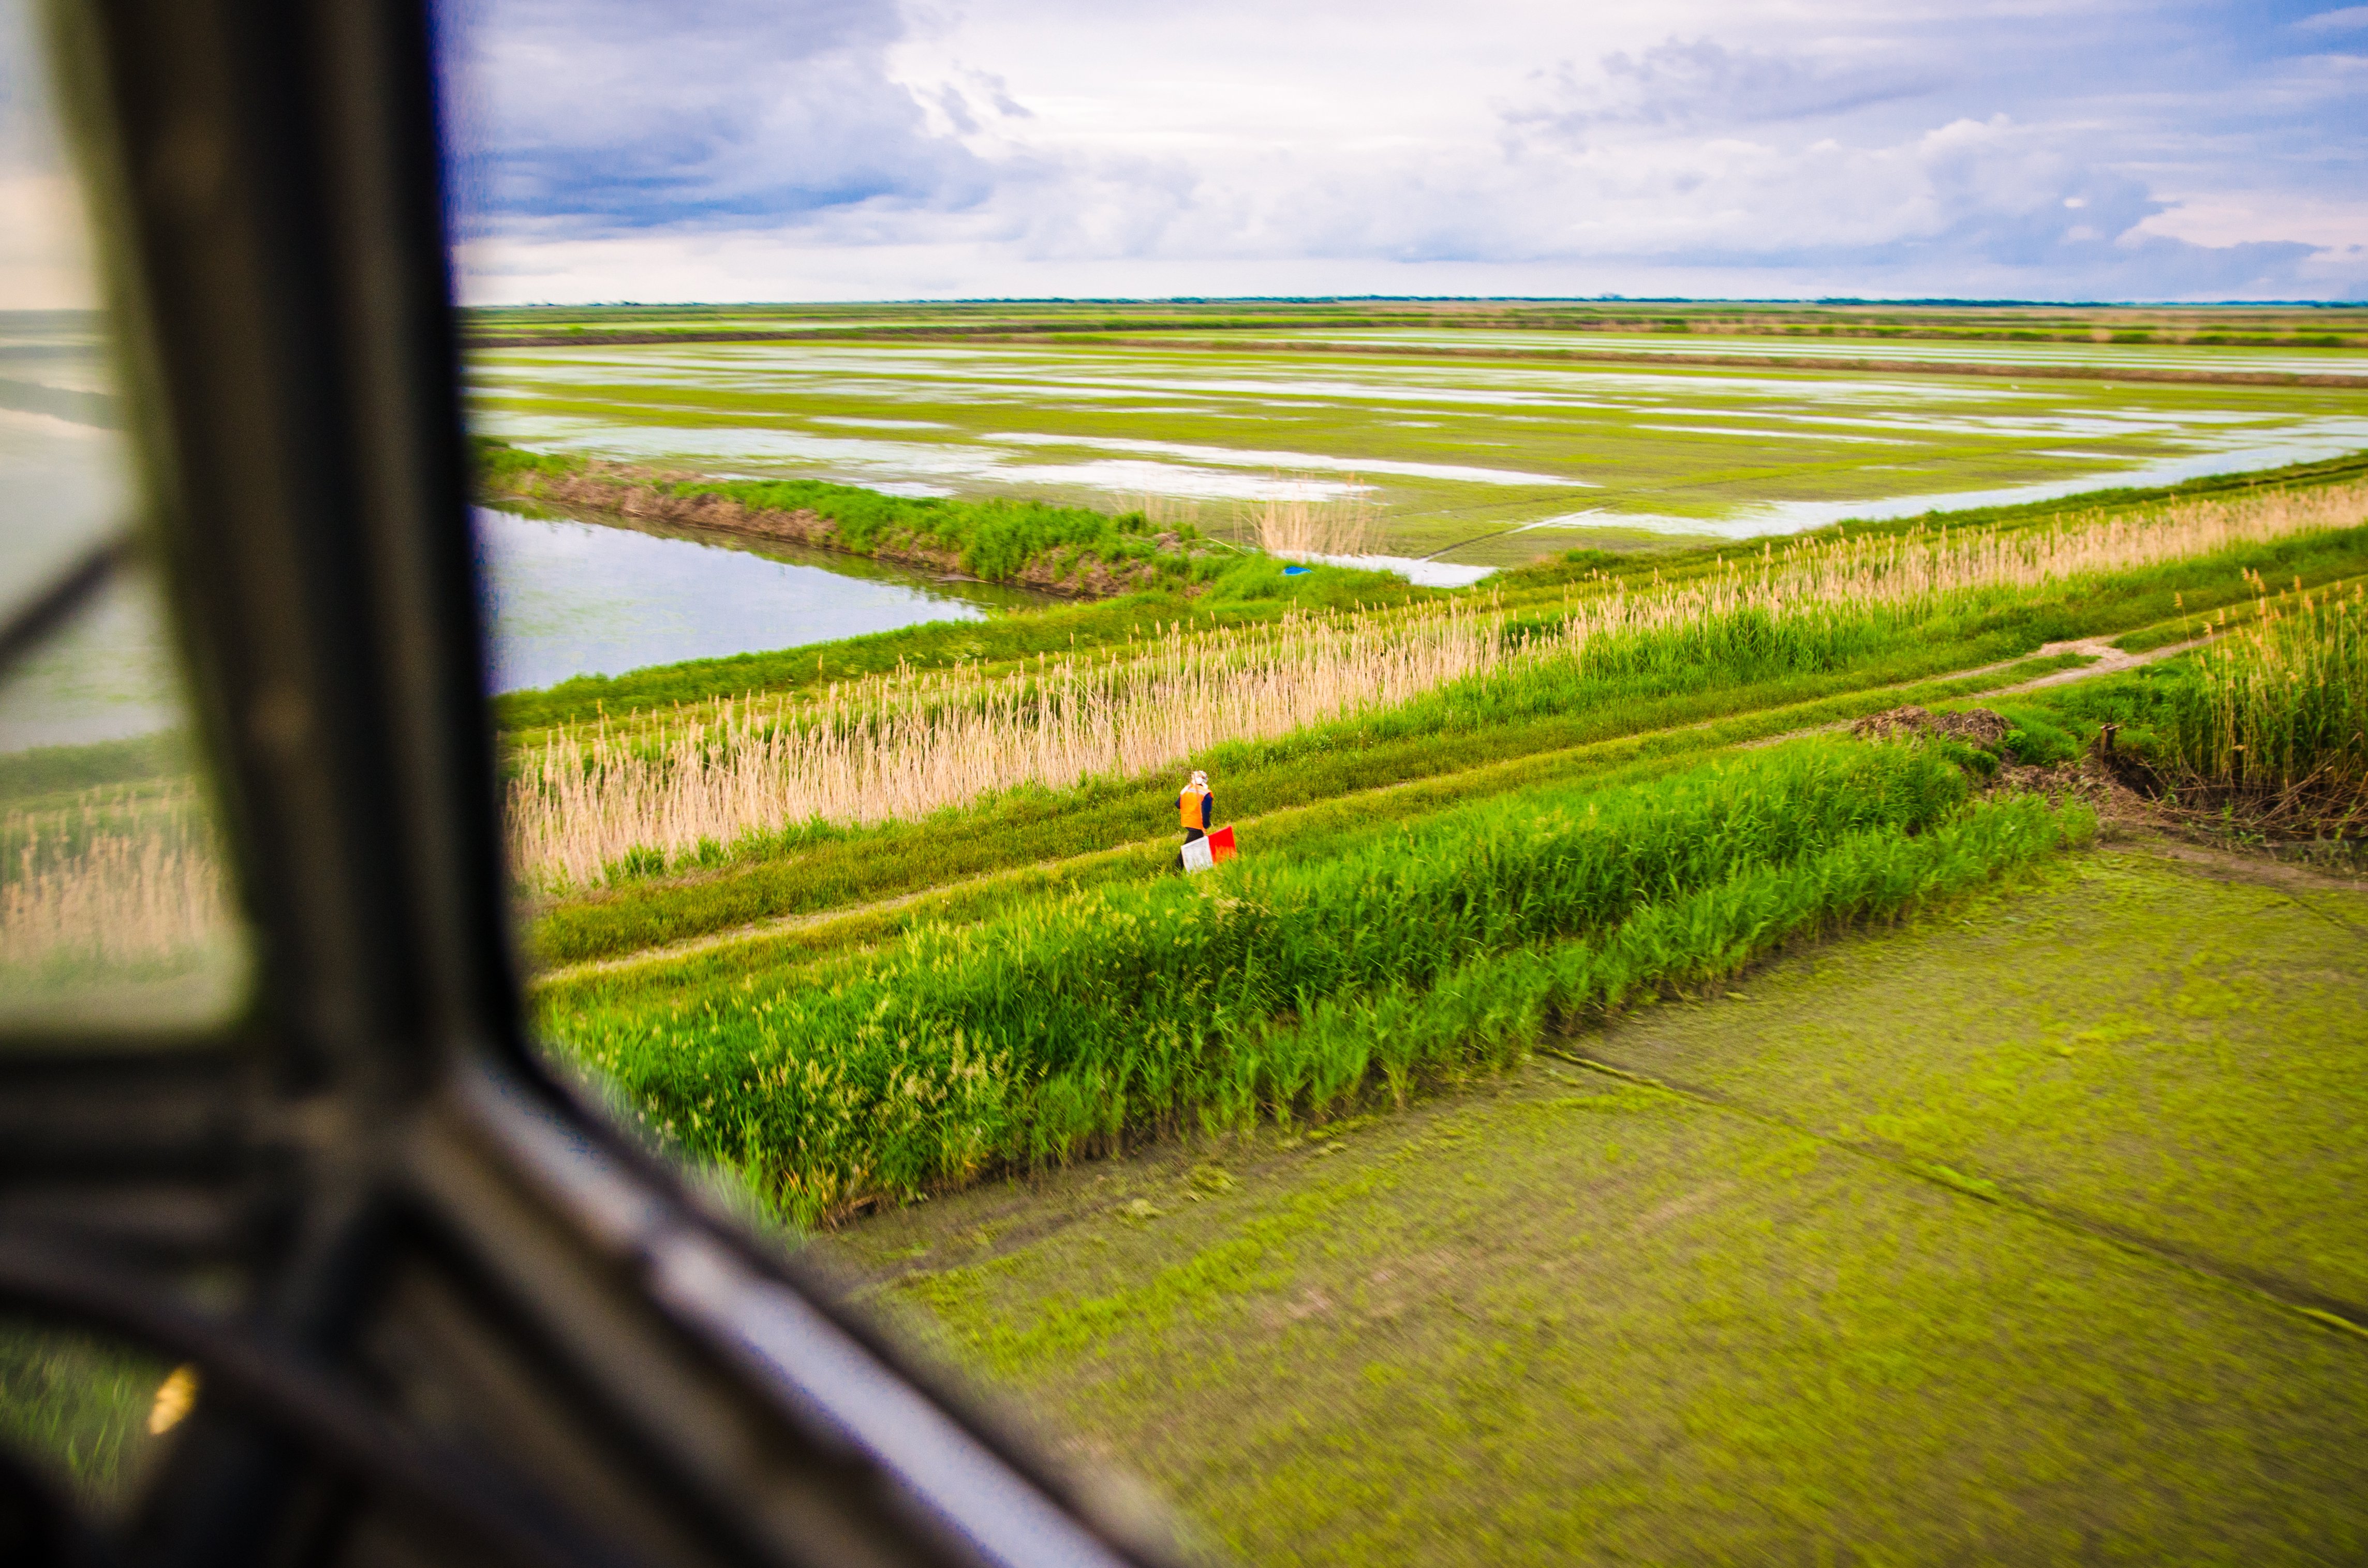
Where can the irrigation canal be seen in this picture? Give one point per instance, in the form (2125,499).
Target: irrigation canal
(569,599)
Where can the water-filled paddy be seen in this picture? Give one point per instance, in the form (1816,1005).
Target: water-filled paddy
(1477,459)
(2191,358)
(569,599)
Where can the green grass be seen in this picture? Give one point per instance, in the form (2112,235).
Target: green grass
(2173,1057)
(1496,1007)
(1067,1025)
(1554,1318)
(78,1407)
(62,772)
(2282,706)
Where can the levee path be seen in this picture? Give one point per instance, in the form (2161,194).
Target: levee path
(2107,660)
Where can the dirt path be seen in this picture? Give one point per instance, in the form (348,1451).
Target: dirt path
(2110,661)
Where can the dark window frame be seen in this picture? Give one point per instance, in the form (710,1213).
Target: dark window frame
(445,1311)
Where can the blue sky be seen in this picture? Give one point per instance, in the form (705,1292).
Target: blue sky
(774,149)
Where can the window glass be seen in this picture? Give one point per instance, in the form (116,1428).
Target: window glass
(114,907)
(90,1414)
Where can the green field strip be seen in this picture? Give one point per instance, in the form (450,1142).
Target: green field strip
(1553,1321)
(1295,833)
(2161,1055)
(2328,1311)
(1605,354)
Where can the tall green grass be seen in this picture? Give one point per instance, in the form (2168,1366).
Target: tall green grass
(77,1406)
(1494,1008)
(1074,1023)
(2266,726)
(2281,708)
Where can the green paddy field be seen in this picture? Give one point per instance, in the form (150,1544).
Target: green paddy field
(2007,1235)
(1480,444)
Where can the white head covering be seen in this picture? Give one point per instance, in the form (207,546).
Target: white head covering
(1199,777)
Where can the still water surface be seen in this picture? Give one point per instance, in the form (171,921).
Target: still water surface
(568,599)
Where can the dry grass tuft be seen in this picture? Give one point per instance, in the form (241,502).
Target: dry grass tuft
(1297,526)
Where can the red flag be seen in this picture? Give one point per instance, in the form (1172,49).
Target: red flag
(1220,844)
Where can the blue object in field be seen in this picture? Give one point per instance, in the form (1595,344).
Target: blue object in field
(1297,571)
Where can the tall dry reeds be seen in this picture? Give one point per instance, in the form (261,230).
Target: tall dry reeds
(1290,525)
(1895,569)
(901,747)
(1299,527)
(99,892)
(904,746)
(2278,714)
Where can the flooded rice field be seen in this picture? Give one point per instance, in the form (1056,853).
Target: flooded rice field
(1474,461)
(2188,358)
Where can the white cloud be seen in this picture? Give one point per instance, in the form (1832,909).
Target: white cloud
(1050,146)
(45,260)
(2352,19)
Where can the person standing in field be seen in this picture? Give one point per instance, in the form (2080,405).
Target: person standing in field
(1195,809)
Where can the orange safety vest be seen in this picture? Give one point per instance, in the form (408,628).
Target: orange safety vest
(1188,806)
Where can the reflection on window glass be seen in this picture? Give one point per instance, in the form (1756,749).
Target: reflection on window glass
(86,1412)
(114,907)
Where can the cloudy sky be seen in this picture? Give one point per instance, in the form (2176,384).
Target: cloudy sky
(775,149)
(848,149)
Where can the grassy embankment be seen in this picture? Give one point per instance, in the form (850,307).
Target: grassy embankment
(1075,1023)
(1255,590)
(983,1035)
(1576,665)
(1072,549)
